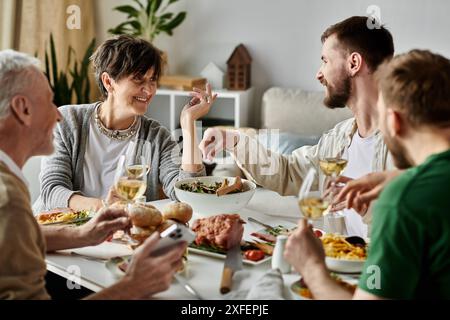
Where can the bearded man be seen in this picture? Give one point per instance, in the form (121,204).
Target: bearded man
(351,53)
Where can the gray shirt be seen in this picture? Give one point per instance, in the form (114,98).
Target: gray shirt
(62,173)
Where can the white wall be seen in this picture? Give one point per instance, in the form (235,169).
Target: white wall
(283,36)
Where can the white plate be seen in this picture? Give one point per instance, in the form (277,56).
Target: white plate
(223,256)
(295,287)
(344,265)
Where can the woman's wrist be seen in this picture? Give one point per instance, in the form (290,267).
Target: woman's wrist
(186,122)
(78,202)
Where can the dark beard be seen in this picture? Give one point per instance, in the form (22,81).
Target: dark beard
(399,153)
(339,95)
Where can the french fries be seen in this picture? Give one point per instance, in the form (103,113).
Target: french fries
(336,246)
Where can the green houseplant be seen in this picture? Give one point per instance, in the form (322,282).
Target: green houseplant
(73,81)
(148,18)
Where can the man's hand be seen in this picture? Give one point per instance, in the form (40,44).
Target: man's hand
(103,225)
(334,189)
(149,275)
(215,140)
(358,194)
(304,251)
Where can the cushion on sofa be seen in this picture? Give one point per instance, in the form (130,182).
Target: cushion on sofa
(286,142)
(299,111)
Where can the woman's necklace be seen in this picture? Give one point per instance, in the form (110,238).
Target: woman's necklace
(119,135)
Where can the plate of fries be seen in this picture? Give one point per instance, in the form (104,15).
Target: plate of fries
(342,256)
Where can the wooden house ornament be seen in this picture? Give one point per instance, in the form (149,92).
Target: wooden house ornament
(239,69)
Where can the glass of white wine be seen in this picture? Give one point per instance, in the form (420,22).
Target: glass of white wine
(138,158)
(332,168)
(312,205)
(130,181)
(129,187)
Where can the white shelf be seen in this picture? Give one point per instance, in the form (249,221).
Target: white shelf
(229,106)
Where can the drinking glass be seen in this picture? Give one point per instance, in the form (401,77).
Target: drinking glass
(138,158)
(130,181)
(332,168)
(311,203)
(130,187)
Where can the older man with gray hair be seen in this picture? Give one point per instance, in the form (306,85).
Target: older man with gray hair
(27,119)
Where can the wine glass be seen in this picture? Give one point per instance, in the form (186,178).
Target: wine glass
(332,168)
(130,181)
(130,187)
(138,158)
(311,203)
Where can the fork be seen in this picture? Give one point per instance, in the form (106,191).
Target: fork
(88,257)
(188,287)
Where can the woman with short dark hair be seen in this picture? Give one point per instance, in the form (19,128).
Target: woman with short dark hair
(92,137)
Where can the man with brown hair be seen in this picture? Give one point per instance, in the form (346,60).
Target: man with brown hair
(409,255)
(351,53)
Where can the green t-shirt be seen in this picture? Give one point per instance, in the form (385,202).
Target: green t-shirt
(409,255)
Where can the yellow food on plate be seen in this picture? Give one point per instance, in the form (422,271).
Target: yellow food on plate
(61,216)
(336,246)
(301,289)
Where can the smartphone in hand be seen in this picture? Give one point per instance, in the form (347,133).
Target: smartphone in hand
(175,234)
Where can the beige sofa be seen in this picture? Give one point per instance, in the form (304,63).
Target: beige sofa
(299,112)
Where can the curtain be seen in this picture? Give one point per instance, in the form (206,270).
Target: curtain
(71,22)
(8,39)
(39,18)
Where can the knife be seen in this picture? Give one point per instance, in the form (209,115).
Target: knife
(233,262)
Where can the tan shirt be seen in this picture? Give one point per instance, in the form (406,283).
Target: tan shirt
(22,245)
(285,173)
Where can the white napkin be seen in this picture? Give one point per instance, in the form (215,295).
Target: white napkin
(106,250)
(269,287)
(273,204)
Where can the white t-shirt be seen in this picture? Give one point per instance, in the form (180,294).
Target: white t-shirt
(100,162)
(360,155)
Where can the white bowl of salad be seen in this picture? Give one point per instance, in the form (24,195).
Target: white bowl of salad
(205,197)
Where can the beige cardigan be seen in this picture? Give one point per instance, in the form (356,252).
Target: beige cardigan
(22,245)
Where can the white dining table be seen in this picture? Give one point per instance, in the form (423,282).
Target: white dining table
(203,273)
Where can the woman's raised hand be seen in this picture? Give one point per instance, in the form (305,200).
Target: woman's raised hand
(200,104)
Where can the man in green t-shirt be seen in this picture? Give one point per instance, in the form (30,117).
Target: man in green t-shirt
(409,255)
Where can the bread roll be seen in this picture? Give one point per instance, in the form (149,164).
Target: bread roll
(144,215)
(178,211)
(141,234)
